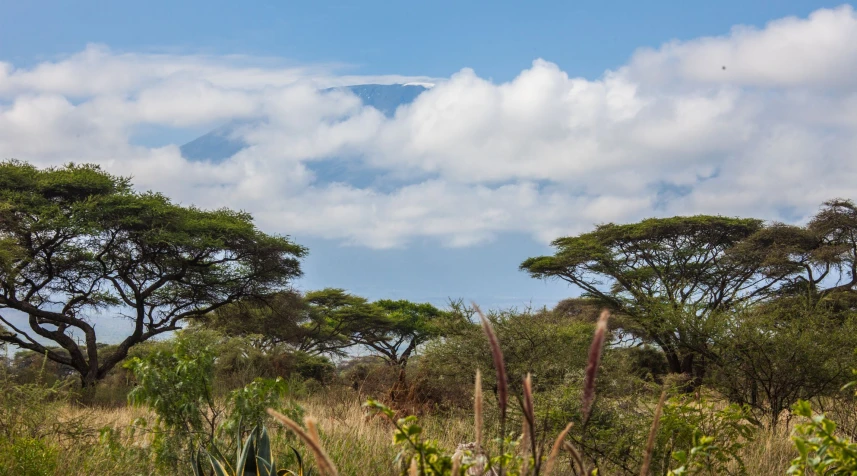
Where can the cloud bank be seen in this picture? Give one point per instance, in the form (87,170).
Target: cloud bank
(758,122)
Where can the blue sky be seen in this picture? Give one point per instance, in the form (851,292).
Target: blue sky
(545,119)
(498,39)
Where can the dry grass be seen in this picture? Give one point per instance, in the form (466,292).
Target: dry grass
(360,444)
(770,453)
(346,439)
(118,418)
(356,442)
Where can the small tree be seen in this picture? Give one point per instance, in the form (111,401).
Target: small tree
(781,352)
(400,328)
(337,320)
(318,322)
(177,382)
(78,245)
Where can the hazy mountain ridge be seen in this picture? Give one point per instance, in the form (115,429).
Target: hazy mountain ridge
(224,141)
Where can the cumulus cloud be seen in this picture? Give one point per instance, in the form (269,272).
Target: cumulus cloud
(671,132)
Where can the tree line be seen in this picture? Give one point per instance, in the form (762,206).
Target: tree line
(764,310)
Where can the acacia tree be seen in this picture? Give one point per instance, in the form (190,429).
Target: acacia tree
(78,245)
(835,225)
(400,328)
(819,260)
(331,320)
(318,322)
(267,321)
(671,278)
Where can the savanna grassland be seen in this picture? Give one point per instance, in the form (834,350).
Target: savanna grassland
(698,345)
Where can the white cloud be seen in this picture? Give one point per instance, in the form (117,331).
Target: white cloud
(773,134)
(817,52)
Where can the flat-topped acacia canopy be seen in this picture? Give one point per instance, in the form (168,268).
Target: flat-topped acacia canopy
(77,243)
(671,276)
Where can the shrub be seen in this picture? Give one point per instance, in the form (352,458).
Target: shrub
(307,366)
(247,406)
(177,385)
(545,344)
(821,450)
(700,436)
(25,456)
(781,352)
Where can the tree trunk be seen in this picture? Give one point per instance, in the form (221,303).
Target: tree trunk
(673,361)
(399,388)
(88,382)
(694,370)
(687,364)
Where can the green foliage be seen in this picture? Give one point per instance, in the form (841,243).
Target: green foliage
(617,432)
(705,439)
(253,457)
(177,386)
(547,345)
(78,243)
(33,410)
(430,459)
(328,321)
(114,451)
(35,426)
(336,317)
(646,362)
(319,322)
(247,406)
(27,457)
(307,366)
(676,279)
(783,351)
(704,458)
(821,450)
(177,383)
(400,327)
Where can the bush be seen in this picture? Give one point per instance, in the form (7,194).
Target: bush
(247,406)
(546,344)
(307,366)
(34,410)
(177,385)
(368,375)
(698,435)
(822,450)
(27,457)
(781,352)
(646,362)
(31,367)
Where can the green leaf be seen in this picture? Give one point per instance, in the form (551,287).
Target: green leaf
(263,453)
(246,463)
(219,468)
(197,464)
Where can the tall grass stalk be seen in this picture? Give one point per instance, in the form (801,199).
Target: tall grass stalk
(592,364)
(502,382)
(653,433)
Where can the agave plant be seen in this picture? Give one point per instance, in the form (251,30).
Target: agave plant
(254,458)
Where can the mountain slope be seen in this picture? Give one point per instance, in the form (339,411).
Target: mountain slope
(222,143)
